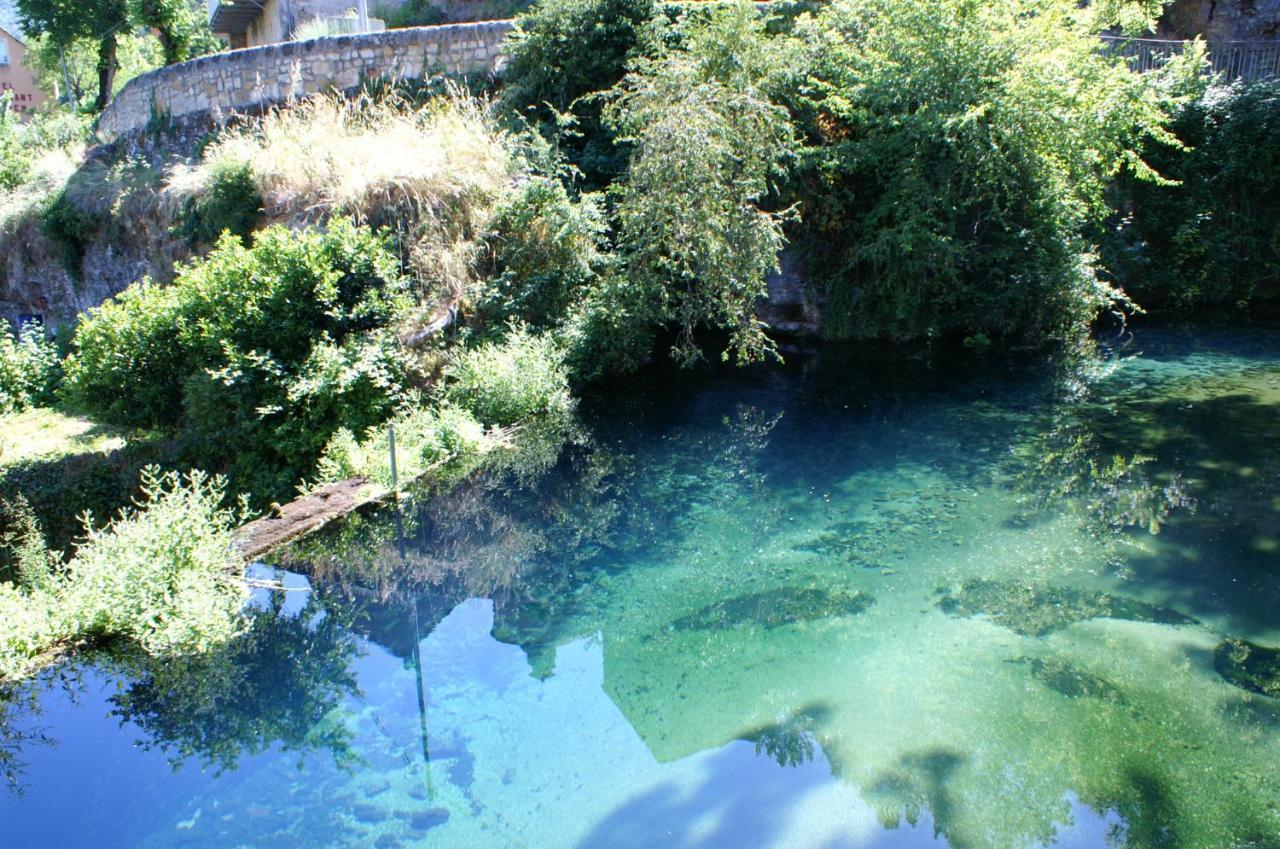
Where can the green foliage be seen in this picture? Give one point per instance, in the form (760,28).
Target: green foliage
(163,576)
(504,383)
(136,53)
(30,368)
(413,13)
(708,146)
(15,156)
(426,438)
(1210,237)
(546,249)
(561,52)
(182,27)
(25,558)
(68,21)
(256,355)
(957,151)
(230,204)
(71,227)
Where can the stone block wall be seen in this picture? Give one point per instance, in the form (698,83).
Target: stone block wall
(244,80)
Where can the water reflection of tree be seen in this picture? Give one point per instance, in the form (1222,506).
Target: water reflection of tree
(19,713)
(1077,456)
(280,682)
(533,542)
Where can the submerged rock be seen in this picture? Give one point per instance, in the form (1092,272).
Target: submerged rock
(427,819)
(1249,666)
(777,607)
(1034,611)
(1071,681)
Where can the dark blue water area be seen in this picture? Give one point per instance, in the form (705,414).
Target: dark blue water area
(874,598)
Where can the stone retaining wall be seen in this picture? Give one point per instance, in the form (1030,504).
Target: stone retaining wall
(243,80)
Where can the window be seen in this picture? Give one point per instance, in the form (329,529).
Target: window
(4,49)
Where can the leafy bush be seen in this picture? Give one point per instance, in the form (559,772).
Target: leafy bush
(71,227)
(15,156)
(505,383)
(957,151)
(30,368)
(546,248)
(25,559)
(425,439)
(163,576)
(231,204)
(708,146)
(560,52)
(1210,237)
(413,13)
(256,354)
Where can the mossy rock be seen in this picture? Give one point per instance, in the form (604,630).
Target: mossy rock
(1249,666)
(1034,611)
(776,608)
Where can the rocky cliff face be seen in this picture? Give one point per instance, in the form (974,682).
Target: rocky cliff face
(1222,20)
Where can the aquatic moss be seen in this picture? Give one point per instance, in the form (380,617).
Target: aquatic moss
(776,608)
(1249,666)
(1034,611)
(1071,681)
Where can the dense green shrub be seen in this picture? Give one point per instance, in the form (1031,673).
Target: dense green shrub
(1211,237)
(413,13)
(546,248)
(30,368)
(505,383)
(256,355)
(957,151)
(709,144)
(426,437)
(230,204)
(71,227)
(560,52)
(164,577)
(15,154)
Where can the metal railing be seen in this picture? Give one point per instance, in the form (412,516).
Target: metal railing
(1233,60)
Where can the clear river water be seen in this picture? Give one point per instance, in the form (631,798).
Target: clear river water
(868,599)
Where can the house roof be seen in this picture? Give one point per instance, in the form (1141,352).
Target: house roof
(9,21)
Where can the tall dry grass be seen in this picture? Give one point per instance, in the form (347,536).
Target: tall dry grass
(432,173)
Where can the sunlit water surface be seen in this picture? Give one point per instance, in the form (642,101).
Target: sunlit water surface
(865,600)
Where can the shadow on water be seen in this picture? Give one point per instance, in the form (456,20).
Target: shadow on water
(741,801)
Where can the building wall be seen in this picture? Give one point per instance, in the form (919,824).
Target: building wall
(244,80)
(270,27)
(16,77)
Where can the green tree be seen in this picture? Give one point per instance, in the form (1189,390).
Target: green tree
(561,53)
(74,66)
(958,150)
(708,146)
(101,22)
(181,26)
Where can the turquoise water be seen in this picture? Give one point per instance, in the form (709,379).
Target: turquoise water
(871,599)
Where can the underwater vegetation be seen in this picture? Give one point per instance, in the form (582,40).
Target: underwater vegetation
(1070,680)
(776,608)
(1249,666)
(901,520)
(1034,611)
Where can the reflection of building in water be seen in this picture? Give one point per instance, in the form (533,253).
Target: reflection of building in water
(15,76)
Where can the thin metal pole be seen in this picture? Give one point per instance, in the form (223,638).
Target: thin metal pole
(391,443)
